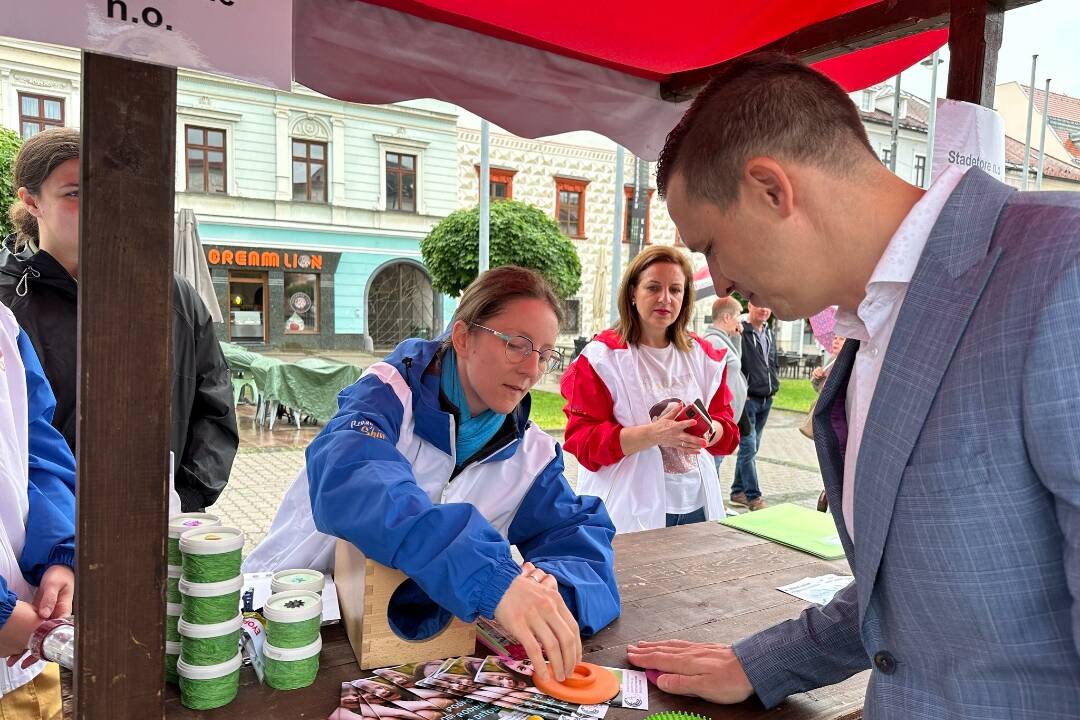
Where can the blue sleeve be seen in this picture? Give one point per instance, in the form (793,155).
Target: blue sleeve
(363,490)
(569,536)
(50,522)
(7,602)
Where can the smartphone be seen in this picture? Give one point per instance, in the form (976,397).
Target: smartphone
(702,426)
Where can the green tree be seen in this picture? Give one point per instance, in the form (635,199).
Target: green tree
(521,234)
(9,148)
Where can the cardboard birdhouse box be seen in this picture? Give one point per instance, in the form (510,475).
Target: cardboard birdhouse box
(365,589)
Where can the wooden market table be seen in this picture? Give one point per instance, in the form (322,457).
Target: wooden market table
(702,582)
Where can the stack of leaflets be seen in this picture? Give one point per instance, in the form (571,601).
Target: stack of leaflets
(471,688)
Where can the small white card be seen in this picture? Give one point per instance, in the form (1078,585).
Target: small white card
(819,589)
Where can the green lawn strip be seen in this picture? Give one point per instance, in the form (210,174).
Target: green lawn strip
(547,410)
(796,395)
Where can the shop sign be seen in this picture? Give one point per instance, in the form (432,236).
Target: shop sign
(264,259)
(246,39)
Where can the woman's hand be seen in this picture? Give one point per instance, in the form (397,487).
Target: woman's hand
(533,612)
(669,432)
(15,635)
(55,593)
(818,373)
(664,431)
(717,433)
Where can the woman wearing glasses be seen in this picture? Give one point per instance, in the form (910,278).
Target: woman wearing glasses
(625,391)
(431,466)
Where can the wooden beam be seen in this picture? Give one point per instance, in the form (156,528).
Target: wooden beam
(974,40)
(124,387)
(872,25)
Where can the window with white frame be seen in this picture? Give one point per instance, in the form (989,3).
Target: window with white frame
(401,174)
(205,156)
(867,100)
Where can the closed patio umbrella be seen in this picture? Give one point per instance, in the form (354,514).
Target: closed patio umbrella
(190,262)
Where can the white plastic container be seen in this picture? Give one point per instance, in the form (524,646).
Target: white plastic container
(301,579)
(291,668)
(197,545)
(222,638)
(198,612)
(223,679)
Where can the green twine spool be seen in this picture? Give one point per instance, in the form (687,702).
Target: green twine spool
(210,686)
(179,524)
(211,554)
(291,668)
(292,618)
(209,644)
(172,588)
(293,635)
(209,603)
(172,654)
(172,617)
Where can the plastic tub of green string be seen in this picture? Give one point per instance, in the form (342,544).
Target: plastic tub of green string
(172,654)
(208,603)
(179,524)
(207,687)
(172,617)
(291,668)
(211,554)
(292,618)
(301,579)
(209,644)
(172,588)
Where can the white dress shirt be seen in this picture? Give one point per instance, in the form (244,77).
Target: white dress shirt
(873,322)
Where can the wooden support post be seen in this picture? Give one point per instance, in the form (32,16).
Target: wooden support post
(975,28)
(124,388)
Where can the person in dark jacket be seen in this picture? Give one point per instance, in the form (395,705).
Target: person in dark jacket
(39,270)
(761,366)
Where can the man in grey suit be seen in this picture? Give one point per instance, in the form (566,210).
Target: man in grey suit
(948,432)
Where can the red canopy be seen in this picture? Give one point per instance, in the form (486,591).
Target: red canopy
(643,37)
(543,68)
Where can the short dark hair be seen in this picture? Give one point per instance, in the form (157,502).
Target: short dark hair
(762,104)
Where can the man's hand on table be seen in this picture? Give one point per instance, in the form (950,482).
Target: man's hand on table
(709,671)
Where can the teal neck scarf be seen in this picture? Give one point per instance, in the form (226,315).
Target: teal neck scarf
(472,432)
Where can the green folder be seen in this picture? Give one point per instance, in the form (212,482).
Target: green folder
(796,526)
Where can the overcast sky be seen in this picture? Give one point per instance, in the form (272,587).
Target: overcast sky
(1050,28)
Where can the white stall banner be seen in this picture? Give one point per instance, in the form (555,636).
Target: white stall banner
(246,39)
(968,135)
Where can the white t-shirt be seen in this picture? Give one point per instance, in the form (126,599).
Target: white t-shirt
(666,377)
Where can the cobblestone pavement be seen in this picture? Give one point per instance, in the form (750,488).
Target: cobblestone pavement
(267,464)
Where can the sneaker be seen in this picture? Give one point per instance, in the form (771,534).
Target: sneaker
(757,504)
(740,499)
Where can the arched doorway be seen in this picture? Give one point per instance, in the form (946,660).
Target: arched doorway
(400,304)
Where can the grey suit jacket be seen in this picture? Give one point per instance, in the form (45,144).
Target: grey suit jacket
(966,555)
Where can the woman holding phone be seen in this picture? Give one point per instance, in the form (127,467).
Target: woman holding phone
(629,388)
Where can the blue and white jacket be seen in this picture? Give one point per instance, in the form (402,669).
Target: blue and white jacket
(383,476)
(37,483)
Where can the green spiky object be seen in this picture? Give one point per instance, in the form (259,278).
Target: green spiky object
(676,715)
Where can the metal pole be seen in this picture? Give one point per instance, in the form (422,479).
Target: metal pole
(616,236)
(895,124)
(1042,136)
(485,195)
(1031,111)
(930,122)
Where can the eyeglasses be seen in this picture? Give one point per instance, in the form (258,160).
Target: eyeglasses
(518,348)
